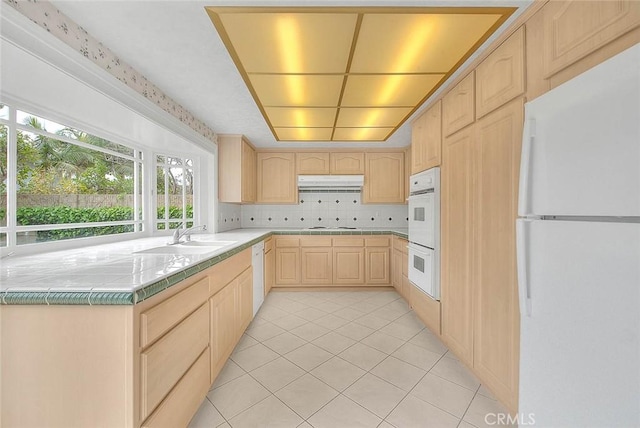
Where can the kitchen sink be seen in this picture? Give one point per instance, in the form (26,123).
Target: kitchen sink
(181,249)
(218,244)
(188,247)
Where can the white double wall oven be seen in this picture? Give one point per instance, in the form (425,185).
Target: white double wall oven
(424,232)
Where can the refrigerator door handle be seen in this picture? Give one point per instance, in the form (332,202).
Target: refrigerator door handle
(524,287)
(528,138)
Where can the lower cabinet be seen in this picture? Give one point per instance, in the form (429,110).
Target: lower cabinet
(317,265)
(348,266)
(378,265)
(269,266)
(320,260)
(223,331)
(184,400)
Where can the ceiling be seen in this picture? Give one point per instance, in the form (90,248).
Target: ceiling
(348,74)
(175,45)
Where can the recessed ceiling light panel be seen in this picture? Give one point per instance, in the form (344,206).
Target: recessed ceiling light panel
(344,73)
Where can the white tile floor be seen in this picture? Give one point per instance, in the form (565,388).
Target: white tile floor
(339,360)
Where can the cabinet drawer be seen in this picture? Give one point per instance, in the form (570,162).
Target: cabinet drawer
(268,245)
(315,241)
(287,242)
(159,319)
(224,272)
(184,400)
(348,242)
(166,361)
(378,241)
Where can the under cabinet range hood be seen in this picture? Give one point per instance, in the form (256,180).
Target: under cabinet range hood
(330,182)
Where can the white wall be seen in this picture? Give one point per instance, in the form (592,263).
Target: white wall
(43,89)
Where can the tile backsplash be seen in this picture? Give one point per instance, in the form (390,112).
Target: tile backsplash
(325,209)
(229,216)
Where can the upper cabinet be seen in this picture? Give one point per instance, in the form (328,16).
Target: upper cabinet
(237,169)
(277,178)
(458,106)
(312,163)
(384,178)
(426,139)
(575,29)
(347,163)
(500,77)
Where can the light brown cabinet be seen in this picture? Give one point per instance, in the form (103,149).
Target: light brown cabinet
(378,261)
(500,77)
(223,331)
(317,265)
(269,266)
(346,163)
(458,106)
(427,309)
(323,260)
(245,300)
(312,163)
(348,265)
(496,315)
(236,169)
(384,178)
(426,139)
(457,197)
(575,29)
(287,258)
(277,178)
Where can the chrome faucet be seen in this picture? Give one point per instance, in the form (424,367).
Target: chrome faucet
(178,234)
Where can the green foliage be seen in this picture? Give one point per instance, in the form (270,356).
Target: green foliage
(27,216)
(175,212)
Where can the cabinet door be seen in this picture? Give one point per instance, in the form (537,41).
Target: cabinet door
(418,144)
(397,271)
(377,263)
(277,178)
(500,77)
(317,265)
(348,266)
(223,326)
(496,326)
(312,163)
(426,139)
(248,173)
(458,106)
(287,266)
(346,163)
(384,178)
(574,29)
(269,271)
(245,301)
(456,243)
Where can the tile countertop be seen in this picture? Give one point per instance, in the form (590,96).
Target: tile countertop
(116,274)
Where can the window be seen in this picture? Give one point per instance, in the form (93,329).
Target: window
(174,192)
(59,182)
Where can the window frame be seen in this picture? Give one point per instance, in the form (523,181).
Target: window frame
(139,158)
(153,220)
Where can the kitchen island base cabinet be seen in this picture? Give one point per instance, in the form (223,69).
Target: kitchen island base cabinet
(149,364)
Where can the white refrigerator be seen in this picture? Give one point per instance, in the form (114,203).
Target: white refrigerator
(578,242)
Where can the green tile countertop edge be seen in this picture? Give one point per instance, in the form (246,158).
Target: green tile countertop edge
(137,296)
